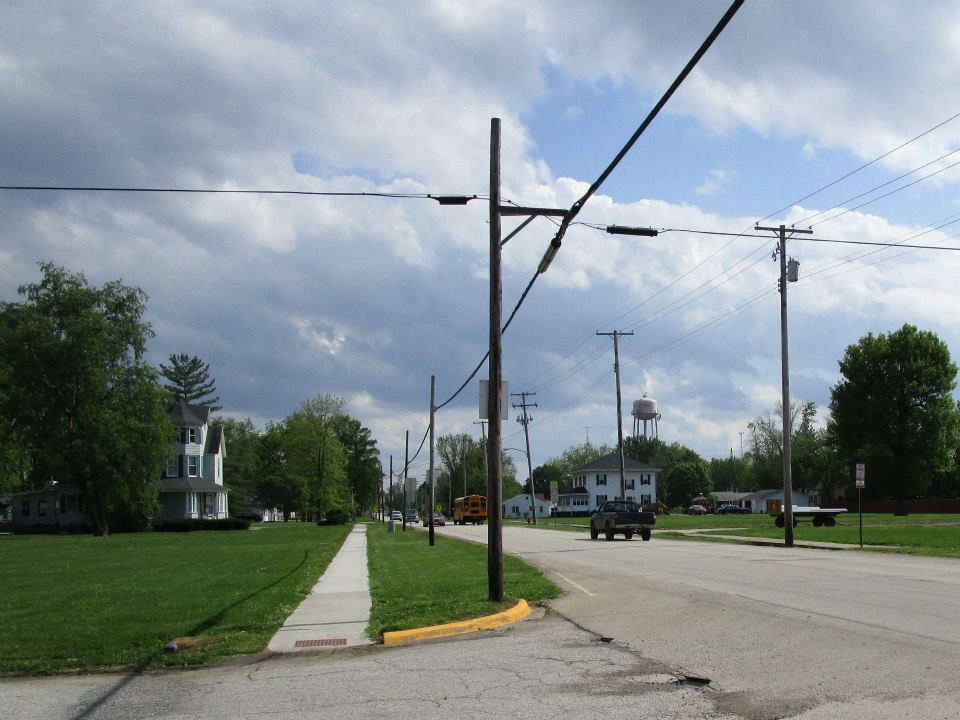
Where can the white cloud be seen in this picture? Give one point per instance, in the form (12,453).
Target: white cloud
(716,180)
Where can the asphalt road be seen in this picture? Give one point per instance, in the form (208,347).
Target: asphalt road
(780,632)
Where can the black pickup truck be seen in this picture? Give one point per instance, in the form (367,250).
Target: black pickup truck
(624,517)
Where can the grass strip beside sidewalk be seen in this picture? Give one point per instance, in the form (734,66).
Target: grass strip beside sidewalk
(414,585)
(79,602)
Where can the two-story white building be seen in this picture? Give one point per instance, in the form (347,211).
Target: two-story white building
(192,483)
(599,481)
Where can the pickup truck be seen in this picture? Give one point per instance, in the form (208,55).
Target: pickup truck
(621,516)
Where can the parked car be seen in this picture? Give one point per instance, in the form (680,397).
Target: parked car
(731,510)
(411,516)
(396,516)
(696,510)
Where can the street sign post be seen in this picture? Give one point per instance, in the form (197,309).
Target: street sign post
(861,479)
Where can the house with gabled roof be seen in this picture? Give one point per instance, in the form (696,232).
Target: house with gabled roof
(599,481)
(192,483)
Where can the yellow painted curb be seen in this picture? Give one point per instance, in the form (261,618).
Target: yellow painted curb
(517,612)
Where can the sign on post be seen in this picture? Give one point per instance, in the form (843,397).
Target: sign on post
(504,399)
(861,475)
(554,491)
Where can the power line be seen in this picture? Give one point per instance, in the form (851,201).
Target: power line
(443,199)
(701,51)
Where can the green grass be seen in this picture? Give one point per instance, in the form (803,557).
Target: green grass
(415,585)
(921,538)
(80,602)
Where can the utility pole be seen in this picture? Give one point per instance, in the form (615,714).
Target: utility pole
(616,367)
(483,439)
(785,375)
(406,464)
(525,421)
(390,499)
(433,411)
(494,468)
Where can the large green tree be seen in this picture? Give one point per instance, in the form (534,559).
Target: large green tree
(84,404)
(241,462)
(188,377)
(893,411)
(362,460)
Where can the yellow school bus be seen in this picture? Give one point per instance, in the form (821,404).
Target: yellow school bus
(472,508)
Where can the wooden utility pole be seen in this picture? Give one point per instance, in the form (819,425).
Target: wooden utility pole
(433,412)
(785,382)
(525,421)
(390,499)
(406,463)
(616,334)
(494,467)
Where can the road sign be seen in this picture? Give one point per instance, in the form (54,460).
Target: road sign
(860,484)
(861,471)
(554,491)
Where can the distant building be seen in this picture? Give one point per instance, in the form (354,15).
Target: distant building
(192,482)
(516,506)
(57,507)
(599,481)
(771,501)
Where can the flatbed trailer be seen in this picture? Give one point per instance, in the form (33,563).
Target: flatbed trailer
(820,516)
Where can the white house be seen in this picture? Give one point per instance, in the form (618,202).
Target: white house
(192,483)
(516,506)
(599,481)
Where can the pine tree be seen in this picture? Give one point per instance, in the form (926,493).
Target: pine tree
(190,379)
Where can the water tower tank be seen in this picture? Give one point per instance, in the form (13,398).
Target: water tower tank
(645,408)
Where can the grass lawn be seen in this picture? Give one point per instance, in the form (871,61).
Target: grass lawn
(915,535)
(72,601)
(414,585)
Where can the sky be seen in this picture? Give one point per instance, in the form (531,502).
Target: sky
(287,297)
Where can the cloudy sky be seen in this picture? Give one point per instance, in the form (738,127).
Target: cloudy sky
(287,297)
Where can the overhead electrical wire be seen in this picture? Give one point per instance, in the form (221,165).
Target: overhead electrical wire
(234,191)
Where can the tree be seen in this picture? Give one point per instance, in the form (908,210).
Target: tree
(241,462)
(362,460)
(316,458)
(893,411)
(189,378)
(685,480)
(574,458)
(275,485)
(84,404)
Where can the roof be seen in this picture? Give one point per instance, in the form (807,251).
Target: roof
(214,440)
(724,496)
(612,462)
(576,491)
(760,494)
(524,498)
(183,413)
(190,484)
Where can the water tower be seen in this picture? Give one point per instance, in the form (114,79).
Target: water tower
(645,409)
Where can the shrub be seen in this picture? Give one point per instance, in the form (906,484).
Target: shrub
(191,524)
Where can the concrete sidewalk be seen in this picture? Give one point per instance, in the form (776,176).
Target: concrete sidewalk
(337,610)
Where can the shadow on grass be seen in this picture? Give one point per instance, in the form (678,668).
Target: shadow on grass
(92,707)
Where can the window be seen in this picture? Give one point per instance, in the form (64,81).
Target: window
(193,435)
(516,510)
(172,469)
(601,499)
(72,504)
(644,499)
(629,484)
(24,508)
(645,479)
(601,479)
(41,508)
(193,465)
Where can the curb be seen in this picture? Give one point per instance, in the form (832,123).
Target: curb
(517,612)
